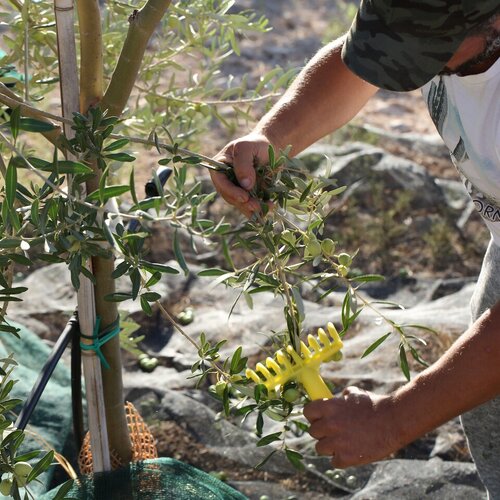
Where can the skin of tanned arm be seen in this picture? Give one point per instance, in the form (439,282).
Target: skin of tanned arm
(324,96)
(360,427)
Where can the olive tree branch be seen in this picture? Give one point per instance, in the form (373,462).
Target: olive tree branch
(12,100)
(142,25)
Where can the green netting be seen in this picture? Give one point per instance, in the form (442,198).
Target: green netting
(158,479)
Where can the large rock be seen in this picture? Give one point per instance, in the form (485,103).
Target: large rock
(434,479)
(360,167)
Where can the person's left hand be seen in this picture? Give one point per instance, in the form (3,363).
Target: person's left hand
(356,428)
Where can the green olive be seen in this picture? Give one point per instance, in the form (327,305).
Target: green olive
(291,395)
(313,248)
(220,387)
(186,317)
(335,357)
(203,108)
(190,111)
(75,246)
(5,487)
(344,259)
(21,472)
(351,481)
(327,247)
(343,271)
(148,364)
(220,475)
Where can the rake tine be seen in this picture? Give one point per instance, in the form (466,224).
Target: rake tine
(314,343)
(262,369)
(305,350)
(284,360)
(274,366)
(303,367)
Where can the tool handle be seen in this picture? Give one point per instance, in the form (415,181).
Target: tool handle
(314,385)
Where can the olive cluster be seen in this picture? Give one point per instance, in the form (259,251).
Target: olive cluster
(20,474)
(317,250)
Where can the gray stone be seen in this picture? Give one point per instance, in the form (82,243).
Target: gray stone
(429,479)
(360,171)
(46,313)
(162,379)
(431,145)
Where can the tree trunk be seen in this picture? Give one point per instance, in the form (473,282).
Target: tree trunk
(142,25)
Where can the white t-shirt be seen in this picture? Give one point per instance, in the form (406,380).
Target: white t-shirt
(466,112)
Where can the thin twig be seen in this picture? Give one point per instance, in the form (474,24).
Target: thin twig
(3,167)
(173,149)
(25,16)
(186,335)
(10,101)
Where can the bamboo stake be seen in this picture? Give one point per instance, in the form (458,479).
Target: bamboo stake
(64,12)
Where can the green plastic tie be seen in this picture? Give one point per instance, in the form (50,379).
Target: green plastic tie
(98,340)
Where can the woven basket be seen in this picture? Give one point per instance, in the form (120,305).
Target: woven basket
(143,443)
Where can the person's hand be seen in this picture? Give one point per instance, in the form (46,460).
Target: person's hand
(356,428)
(244,155)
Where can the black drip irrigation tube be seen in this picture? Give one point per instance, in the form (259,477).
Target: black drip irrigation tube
(71,331)
(76,388)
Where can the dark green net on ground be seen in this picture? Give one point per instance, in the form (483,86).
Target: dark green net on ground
(158,479)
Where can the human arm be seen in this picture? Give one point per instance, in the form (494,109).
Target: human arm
(360,427)
(324,96)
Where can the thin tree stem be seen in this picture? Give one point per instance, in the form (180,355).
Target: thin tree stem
(91,54)
(142,25)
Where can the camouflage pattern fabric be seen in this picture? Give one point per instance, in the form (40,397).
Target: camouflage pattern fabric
(402,44)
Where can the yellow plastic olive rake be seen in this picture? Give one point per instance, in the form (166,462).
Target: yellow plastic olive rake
(303,368)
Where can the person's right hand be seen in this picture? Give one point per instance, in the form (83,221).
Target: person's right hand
(244,155)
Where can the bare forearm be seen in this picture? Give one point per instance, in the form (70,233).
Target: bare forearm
(465,377)
(325,96)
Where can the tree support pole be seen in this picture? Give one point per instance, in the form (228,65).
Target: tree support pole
(64,12)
